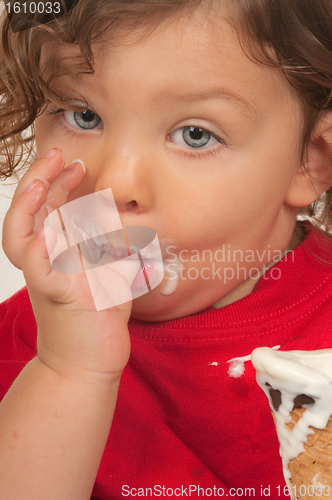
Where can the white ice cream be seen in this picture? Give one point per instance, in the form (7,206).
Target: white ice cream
(296,373)
(172,273)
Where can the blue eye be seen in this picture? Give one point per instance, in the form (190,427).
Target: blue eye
(195,137)
(87,119)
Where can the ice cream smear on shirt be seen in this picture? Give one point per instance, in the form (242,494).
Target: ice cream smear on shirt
(295,379)
(237,365)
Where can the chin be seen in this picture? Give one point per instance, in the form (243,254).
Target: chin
(154,306)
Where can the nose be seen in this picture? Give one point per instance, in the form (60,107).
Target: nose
(129,172)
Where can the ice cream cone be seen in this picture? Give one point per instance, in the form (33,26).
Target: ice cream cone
(312,469)
(298,385)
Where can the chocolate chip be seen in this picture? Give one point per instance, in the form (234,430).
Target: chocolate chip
(276,398)
(303,400)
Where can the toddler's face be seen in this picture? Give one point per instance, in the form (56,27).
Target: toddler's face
(195,141)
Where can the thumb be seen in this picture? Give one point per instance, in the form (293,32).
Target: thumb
(110,283)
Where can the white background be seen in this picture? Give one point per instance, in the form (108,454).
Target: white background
(11,279)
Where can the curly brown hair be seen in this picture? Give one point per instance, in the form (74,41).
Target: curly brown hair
(299,32)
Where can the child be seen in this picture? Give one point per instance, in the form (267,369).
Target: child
(211,121)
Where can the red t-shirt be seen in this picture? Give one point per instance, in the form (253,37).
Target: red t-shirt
(183,426)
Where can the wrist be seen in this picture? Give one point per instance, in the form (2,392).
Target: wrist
(69,372)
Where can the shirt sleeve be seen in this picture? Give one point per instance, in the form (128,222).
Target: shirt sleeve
(18,337)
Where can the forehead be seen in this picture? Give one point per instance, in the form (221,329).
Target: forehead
(186,59)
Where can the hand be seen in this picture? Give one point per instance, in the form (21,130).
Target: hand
(48,184)
(74,339)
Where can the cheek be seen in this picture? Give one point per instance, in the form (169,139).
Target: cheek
(254,189)
(265,172)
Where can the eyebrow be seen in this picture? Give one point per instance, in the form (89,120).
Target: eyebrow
(214,93)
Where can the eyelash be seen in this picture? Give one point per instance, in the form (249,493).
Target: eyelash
(187,153)
(213,152)
(66,131)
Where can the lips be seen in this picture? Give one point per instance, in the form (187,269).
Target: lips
(95,241)
(115,253)
(99,248)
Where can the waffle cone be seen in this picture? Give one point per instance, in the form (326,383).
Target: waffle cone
(312,467)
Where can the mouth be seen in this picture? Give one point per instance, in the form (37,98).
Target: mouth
(102,249)
(114,244)
(96,242)
(116,253)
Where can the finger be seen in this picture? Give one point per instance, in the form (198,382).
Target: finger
(37,269)
(65,256)
(110,283)
(31,206)
(19,220)
(28,199)
(67,180)
(45,169)
(66,286)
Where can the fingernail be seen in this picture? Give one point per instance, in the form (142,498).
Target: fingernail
(50,154)
(74,162)
(30,186)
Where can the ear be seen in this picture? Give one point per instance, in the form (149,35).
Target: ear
(315,176)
